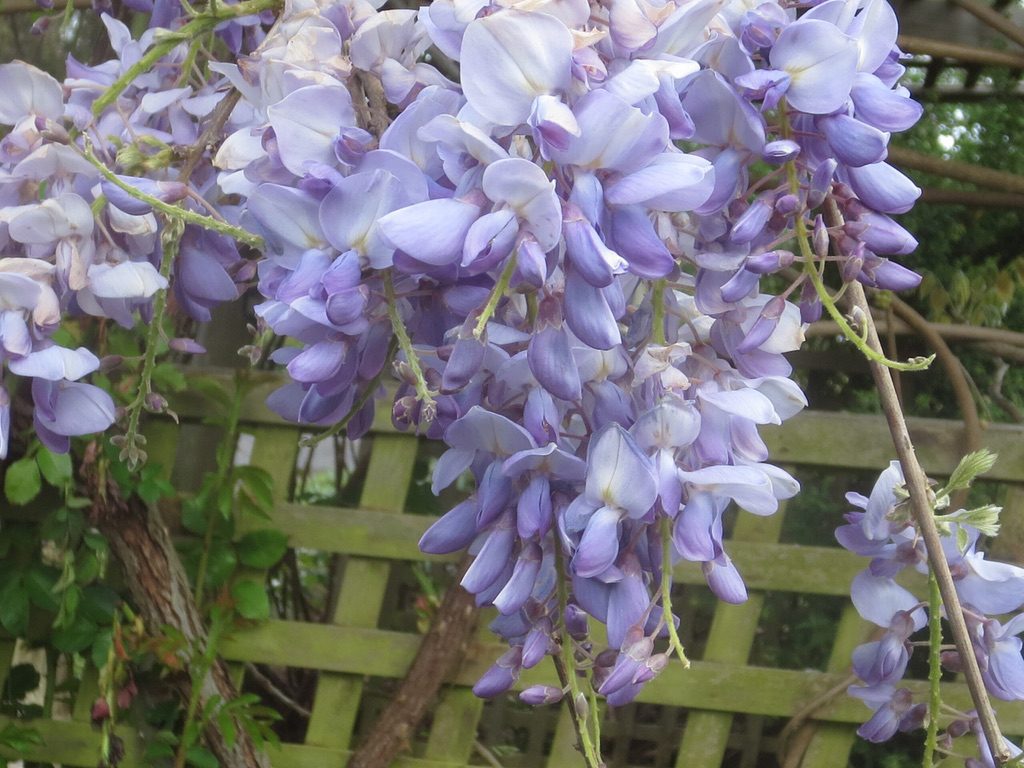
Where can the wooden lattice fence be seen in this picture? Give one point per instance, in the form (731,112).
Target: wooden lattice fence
(687,718)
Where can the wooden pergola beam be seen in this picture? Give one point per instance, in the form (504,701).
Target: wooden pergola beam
(962,95)
(967,54)
(994,19)
(972,198)
(1000,181)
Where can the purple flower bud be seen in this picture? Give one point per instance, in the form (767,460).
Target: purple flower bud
(576,622)
(752,223)
(821,181)
(852,267)
(501,676)
(524,575)
(463,364)
(770,261)
(781,151)
(187,346)
(110,363)
(537,644)
(42,24)
(551,362)
(888,275)
(453,531)
(539,695)
(740,285)
(951,661)
(810,304)
(820,238)
(165,191)
(764,326)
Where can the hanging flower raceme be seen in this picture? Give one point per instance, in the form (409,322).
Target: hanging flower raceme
(571,301)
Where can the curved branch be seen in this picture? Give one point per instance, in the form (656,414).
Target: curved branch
(954,370)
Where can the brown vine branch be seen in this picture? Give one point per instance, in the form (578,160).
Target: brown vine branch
(159,587)
(443,647)
(917,487)
(953,367)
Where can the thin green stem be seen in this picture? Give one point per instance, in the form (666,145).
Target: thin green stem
(168,41)
(199,670)
(405,344)
(934,669)
(225,454)
(658,321)
(496,293)
(674,642)
(591,753)
(171,241)
(859,340)
(173,211)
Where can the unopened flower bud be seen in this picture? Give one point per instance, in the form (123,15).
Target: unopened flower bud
(851,268)
(41,25)
(810,304)
(405,411)
(820,238)
(582,707)
(538,695)
(110,362)
(781,151)
(156,403)
(576,622)
(787,204)
(100,711)
(187,346)
(951,661)
(769,261)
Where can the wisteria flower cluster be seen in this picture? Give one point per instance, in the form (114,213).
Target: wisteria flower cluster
(583,234)
(882,529)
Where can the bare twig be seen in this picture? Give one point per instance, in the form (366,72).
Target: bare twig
(995,391)
(270,687)
(920,504)
(488,756)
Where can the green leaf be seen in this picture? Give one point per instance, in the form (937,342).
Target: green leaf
(970,467)
(220,564)
(226,723)
(20,739)
(76,637)
(100,651)
(169,378)
(255,491)
(22,482)
(251,600)
(201,757)
(99,603)
(39,583)
(56,467)
(262,549)
(14,606)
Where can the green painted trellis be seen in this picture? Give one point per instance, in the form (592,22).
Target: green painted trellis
(381,532)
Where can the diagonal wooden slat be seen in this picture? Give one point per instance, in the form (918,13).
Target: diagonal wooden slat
(733,629)
(359,600)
